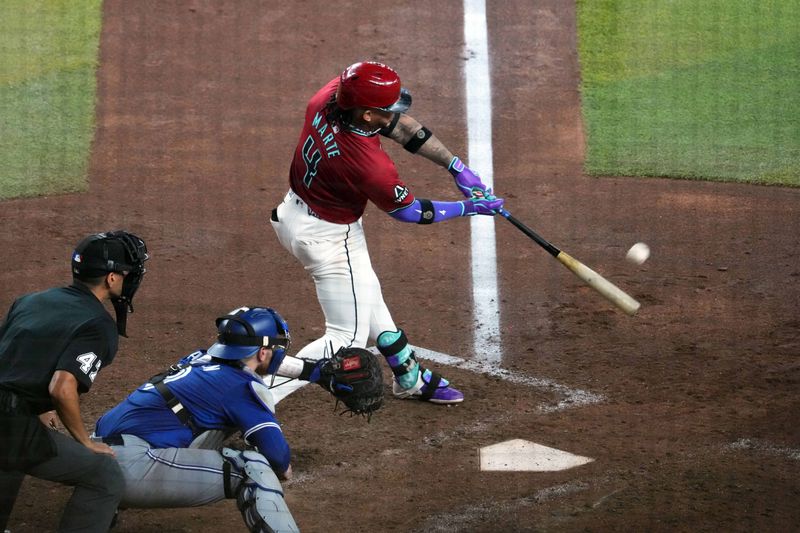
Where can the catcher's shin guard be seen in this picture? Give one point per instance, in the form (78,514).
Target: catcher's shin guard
(394,347)
(259,496)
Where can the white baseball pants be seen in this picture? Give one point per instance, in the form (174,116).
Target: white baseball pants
(347,287)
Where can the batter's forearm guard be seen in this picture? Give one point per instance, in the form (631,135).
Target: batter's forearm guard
(423,211)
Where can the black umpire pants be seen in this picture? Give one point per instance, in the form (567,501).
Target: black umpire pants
(97,479)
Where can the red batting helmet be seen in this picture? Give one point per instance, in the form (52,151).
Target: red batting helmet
(371,84)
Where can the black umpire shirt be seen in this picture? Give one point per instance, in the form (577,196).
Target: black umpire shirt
(65,328)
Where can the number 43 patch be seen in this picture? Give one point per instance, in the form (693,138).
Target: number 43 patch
(87,360)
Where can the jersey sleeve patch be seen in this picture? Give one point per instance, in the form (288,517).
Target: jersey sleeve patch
(400,193)
(263,395)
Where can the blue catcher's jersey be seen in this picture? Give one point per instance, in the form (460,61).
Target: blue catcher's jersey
(218,396)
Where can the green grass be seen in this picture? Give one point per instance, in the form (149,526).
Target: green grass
(701,89)
(48,56)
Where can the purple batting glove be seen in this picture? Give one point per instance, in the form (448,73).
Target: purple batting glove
(482,206)
(468,181)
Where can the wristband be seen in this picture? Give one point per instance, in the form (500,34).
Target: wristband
(291,367)
(456,166)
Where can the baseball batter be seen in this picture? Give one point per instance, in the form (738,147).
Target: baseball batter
(338,166)
(168,433)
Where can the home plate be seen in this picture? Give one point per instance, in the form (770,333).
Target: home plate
(520,455)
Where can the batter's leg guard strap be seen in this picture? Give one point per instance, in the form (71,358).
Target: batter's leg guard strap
(394,347)
(392,342)
(431,385)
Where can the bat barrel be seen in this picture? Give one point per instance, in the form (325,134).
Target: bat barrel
(610,291)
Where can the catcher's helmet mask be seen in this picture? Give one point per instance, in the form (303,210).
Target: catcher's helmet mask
(115,251)
(247,329)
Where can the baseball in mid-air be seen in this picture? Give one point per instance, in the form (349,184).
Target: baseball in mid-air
(638,253)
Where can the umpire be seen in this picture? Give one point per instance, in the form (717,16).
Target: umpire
(52,345)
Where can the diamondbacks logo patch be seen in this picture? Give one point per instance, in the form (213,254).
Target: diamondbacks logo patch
(400,193)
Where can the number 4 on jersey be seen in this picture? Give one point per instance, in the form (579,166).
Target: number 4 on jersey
(312,157)
(87,360)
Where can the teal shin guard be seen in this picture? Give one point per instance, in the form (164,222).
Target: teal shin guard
(394,347)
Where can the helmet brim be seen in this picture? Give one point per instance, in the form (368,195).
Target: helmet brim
(402,104)
(226,351)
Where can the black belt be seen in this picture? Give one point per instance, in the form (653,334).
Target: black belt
(113,440)
(12,404)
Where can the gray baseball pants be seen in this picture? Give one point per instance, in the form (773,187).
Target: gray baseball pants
(97,479)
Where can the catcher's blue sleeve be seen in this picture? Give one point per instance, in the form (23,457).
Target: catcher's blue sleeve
(259,425)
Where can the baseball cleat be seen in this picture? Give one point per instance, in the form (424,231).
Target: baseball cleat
(435,389)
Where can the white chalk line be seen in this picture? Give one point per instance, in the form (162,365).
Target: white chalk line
(474,515)
(763,446)
(478,91)
(485,294)
(570,397)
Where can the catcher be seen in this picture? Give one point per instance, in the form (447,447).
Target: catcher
(168,434)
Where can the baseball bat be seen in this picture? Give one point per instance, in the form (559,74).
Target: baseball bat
(613,293)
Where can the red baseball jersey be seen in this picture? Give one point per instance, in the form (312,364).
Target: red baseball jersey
(335,171)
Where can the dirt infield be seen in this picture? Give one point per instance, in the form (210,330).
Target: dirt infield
(696,423)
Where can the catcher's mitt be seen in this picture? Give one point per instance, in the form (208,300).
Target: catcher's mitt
(355,378)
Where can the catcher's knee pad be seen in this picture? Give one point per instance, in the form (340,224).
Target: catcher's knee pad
(258,493)
(394,347)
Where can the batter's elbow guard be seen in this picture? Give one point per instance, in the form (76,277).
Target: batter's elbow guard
(427,212)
